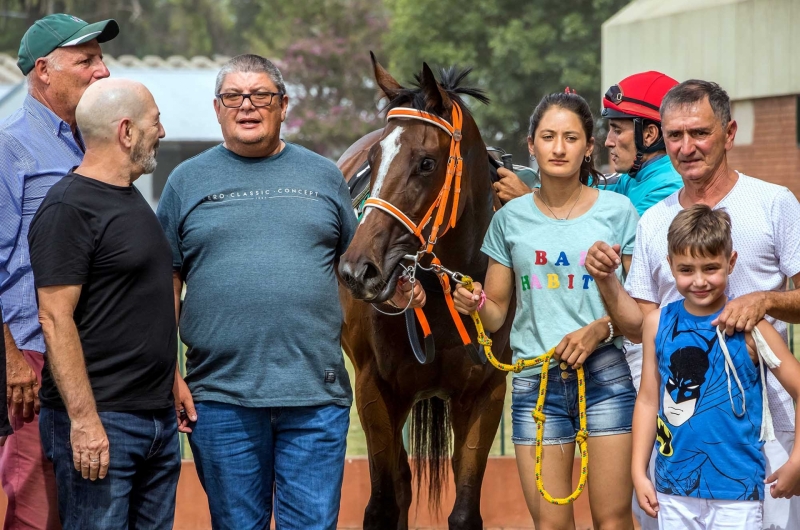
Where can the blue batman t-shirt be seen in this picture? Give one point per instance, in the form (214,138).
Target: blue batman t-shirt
(708,432)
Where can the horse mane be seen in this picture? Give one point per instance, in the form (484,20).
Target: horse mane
(450,80)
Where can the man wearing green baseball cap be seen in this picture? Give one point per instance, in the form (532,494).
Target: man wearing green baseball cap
(40,143)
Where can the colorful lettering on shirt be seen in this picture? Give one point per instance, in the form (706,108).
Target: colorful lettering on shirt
(554,280)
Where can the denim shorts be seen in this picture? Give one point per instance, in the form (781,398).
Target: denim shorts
(610,397)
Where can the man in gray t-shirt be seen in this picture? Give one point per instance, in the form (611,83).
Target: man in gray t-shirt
(256,227)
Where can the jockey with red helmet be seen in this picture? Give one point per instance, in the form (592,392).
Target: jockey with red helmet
(635,143)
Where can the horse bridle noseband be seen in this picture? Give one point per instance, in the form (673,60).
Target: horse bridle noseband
(453,176)
(455,164)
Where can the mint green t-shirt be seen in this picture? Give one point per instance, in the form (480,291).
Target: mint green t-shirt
(555,293)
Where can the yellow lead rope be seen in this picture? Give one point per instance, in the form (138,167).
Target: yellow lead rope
(537,413)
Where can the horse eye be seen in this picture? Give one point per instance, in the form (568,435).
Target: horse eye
(427,165)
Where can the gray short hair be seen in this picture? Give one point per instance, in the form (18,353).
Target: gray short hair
(53,61)
(249,62)
(695,90)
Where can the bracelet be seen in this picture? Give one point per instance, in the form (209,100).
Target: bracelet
(483,301)
(610,333)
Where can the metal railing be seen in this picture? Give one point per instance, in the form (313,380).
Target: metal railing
(357,444)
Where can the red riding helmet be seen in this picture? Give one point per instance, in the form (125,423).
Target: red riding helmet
(638,98)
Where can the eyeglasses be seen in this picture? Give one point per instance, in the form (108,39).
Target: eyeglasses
(258,99)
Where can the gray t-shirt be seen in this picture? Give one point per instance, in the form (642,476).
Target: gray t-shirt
(256,240)
(555,294)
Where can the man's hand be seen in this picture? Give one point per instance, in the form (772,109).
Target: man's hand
(742,313)
(184,404)
(89,447)
(22,394)
(402,293)
(786,480)
(509,186)
(602,260)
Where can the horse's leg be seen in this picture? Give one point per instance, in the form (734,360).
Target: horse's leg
(475,419)
(402,486)
(380,415)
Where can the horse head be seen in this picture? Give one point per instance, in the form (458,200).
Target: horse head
(409,171)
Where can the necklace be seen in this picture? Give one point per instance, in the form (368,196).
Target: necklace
(557,218)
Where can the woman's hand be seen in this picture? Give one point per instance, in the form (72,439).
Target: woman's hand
(466,302)
(575,347)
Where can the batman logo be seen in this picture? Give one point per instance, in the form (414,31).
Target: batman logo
(664,438)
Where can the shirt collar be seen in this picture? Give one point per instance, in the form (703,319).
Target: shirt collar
(51,120)
(651,167)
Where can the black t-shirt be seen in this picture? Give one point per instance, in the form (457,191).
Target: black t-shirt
(107,239)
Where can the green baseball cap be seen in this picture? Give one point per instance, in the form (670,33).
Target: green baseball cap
(58,31)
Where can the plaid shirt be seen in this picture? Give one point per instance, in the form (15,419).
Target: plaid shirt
(37,148)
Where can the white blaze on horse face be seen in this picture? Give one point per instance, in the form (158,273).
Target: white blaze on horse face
(390,146)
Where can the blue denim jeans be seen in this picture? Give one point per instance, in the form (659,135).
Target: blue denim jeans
(139,490)
(610,397)
(243,454)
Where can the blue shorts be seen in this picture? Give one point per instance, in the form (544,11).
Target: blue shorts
(610,397)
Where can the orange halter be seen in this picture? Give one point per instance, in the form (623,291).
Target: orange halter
(452,179)
(454,168)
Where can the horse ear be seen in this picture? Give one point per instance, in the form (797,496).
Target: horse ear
(388,85)
(436,98)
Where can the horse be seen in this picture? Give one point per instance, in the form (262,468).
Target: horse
(409,158)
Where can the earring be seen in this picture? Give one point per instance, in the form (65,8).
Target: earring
(587,159)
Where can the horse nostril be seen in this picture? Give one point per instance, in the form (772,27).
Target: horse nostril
(369,273)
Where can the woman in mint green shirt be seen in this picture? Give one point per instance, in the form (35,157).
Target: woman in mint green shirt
(537,244)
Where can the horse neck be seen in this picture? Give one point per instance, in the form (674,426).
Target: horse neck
(460,246)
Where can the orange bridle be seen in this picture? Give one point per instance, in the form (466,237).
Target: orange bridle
(453,177)
(452,182)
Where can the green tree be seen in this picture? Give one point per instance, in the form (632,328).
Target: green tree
(520,50)
(148,27)
(323,49)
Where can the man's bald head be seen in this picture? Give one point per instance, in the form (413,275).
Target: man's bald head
(108,101)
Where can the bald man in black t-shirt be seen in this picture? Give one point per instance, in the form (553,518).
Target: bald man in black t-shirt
(103,272)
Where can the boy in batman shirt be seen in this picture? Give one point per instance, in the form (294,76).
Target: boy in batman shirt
(702,393)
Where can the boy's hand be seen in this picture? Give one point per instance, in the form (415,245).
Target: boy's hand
(602,260)
(646,496)
(786,480)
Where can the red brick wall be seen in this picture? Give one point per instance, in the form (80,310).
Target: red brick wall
(774,155)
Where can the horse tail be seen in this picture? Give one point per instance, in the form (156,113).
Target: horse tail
(430,439)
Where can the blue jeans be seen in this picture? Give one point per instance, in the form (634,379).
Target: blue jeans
(243,454)
(139,490)
(610,397)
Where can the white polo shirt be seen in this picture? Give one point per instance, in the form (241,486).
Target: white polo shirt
(765,226)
